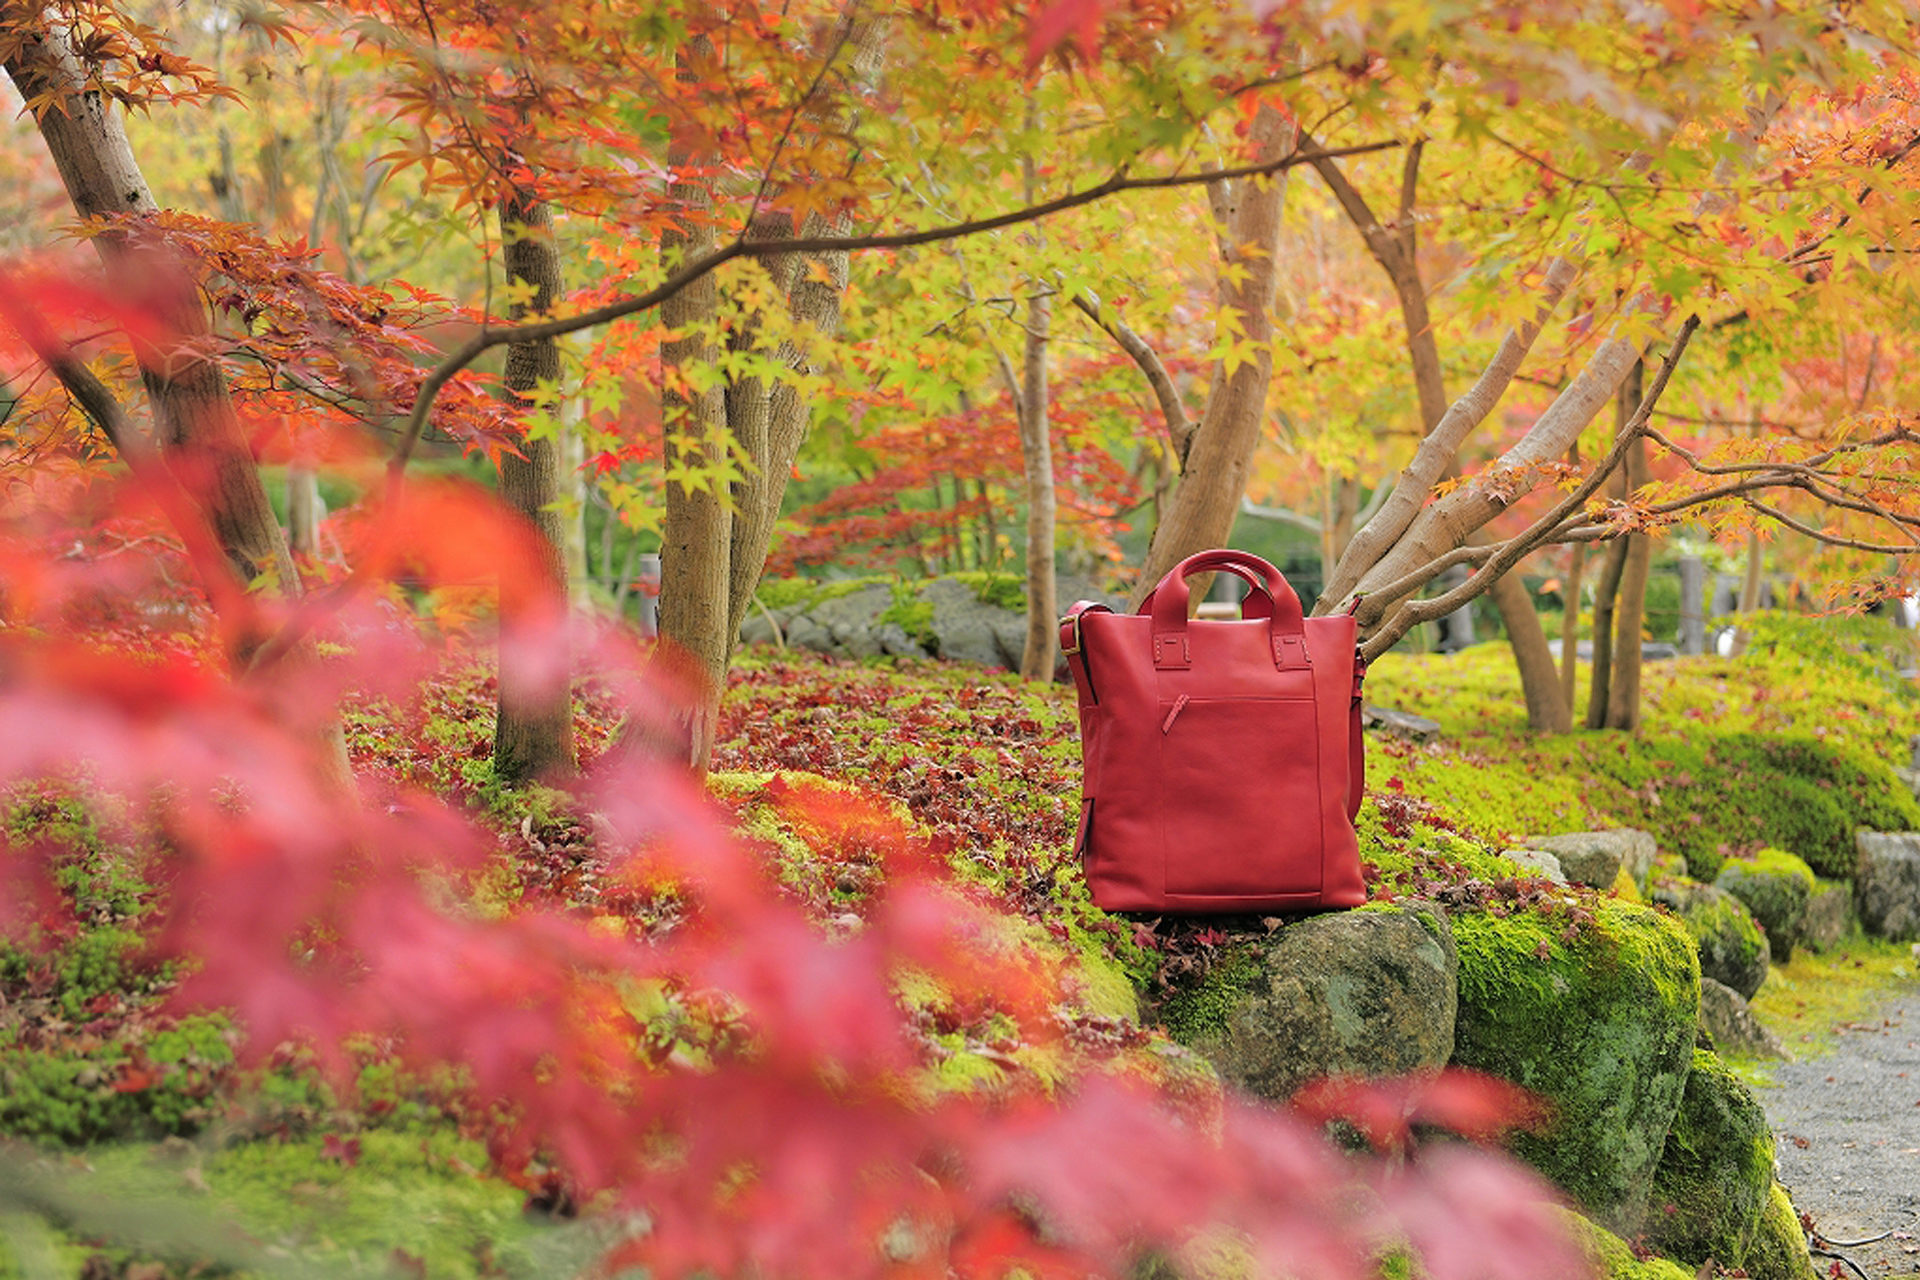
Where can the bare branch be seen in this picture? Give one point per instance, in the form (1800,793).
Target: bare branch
(1514,549)
(1179,426)
(1831,539)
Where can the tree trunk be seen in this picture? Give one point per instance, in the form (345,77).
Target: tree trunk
(1547,707)
(1438,452)
(695,586)
(199,433)
(1570,625)
(1600,682)
(533,735)
(1199,513)
(1749,591)
(1042,649)
(303,510)
(1630,609)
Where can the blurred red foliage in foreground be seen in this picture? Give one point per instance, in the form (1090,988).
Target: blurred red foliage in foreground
(775,1129)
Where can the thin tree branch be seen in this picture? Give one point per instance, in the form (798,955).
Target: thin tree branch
(1833,539)
(493,336)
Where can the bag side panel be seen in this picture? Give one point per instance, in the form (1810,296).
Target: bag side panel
(1331,641)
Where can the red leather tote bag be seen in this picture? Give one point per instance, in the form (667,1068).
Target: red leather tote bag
(1222,757)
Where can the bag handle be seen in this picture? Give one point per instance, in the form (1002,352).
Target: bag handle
(1273,600)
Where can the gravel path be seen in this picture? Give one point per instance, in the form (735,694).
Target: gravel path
(1847,1131)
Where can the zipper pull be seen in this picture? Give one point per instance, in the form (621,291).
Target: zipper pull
(1179,705)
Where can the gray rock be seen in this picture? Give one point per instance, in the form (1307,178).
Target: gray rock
(850,618)
(804,633)
(895,642)
(1829,919)
(1913,745)
(755,629)
(1730,1024)
(1886,883)
(1733,949)
(1595,857)
(1909,778)
(1368,993)
(1537,861)
(966,629)
(1401,724)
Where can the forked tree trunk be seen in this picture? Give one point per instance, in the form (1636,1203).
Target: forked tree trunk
(1200,511)
(533,735)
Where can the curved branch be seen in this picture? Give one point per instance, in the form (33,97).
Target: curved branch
(1831,539)
(1179,426)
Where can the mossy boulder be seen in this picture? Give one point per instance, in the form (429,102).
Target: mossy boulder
(1733,950)
(1776,886)
(1779,1248)
(1594,1010)
(1613,1259)
(1368,992)
(1715,1172)
(1830,917)
(1598,857)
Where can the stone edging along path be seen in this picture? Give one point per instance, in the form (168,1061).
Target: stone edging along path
(1846,1130)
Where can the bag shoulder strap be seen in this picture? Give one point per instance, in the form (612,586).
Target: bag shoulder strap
(1074,651)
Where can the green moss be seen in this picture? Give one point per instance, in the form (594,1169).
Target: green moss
(1201,1006)
(1722,759)
(912,615)
(1776,887)
(1001,590)
(1715,1172)
(1599,1022)
(133,1086)
(1779,1248)
(1613,1258)
(371,1203)
(1806,998)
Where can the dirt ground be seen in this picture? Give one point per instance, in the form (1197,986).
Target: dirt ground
(1847,1134)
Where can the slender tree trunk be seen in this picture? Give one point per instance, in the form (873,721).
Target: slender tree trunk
(1570,615)
(1570,625)
(1547,708)
(303,510)
(1200,511)
(1605,591)
(533,735)
(1042,648)
(1623,693)
(571,487)
(1749,591)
